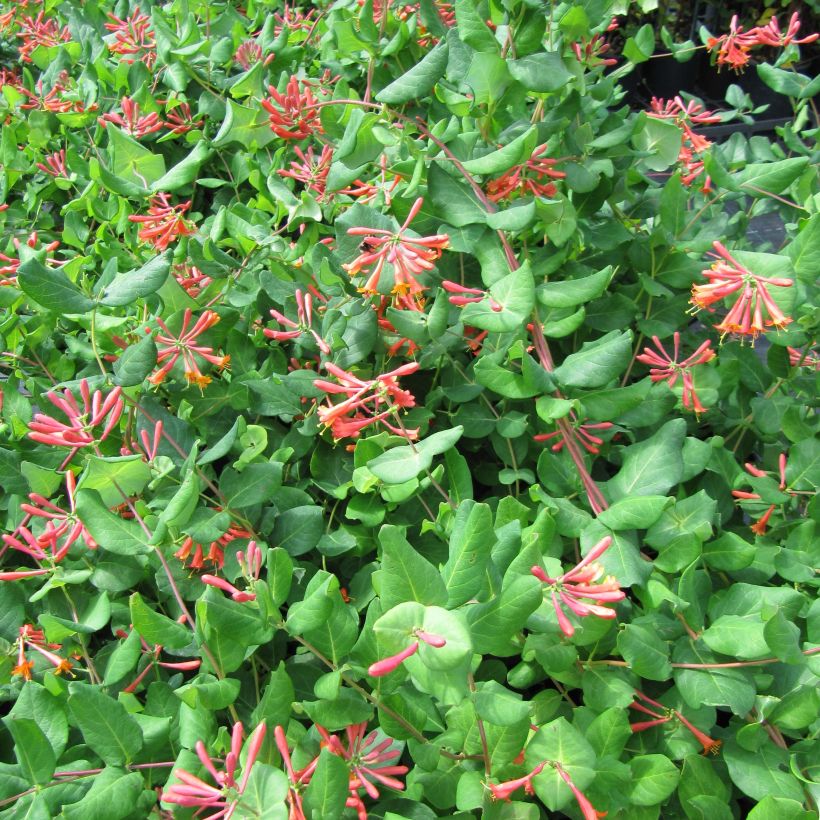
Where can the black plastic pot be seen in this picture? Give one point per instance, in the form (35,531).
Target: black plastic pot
(664,76)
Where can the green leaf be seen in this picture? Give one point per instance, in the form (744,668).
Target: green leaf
(256,484)
(770,177)
(111,532)
(492,624)
(137,284)
(609,732)
(326,794)
(275,704)
(32,749)
(738,636)
(112,796)
(783,638)
(131,161)
(514,294)
(563,743)
(572,292)
(183,502)
(454,201)
(35,702)
(471,540)
(299,529)
(660,140)
(156,628)
(639,49)
(402,463)
(515,152)
(762,773)
(280,574)
(637,513)
(711,686)
(779,808)
(654,778)
(804,251)
(597,363)
(246,126)
(541,72)
(135,363)
(472,30)
(653,466)
(184,172)
(498,705)
(51,288)
(419,80)
(210,692)
(645,652)
(264,795)
(129,473)
(106,726)
(405,574)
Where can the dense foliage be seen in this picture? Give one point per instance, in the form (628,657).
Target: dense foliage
(399,424)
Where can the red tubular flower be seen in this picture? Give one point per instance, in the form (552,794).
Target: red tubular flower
(531,177)
(408,257)
(591,51)
(311,171)
(587,809)
(733,48)
(164,223)
(180,120)
(384,667)
(171,347)
(465,296)
(31,638)
(798,358)
(368,401)
(755,310)
(590,442)
(303,323)
(667,368)
(663,714)
(97,410)
(293,20)
(54,164)
(771,35)
(368,191)
(216,550)
(293,114)
(227,796)
(297,781)
(40,31)
(63,97)
(585,582)
(220,583)
(134,38)
(22,574)
(502,791)
(369,762)
(9,270)
(191,279)
(132,121)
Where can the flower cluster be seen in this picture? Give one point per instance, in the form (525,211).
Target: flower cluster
(132,120)
(226,796)
(216,549)
(589,441)
(171,348)
(406,256)
(665,715)
(760,526)
(40,31)
(164,223)
(35,639)
(97,411)
(303,323)
(733,47)
(8,271)
(532,177)
(667,368)
(133,37)
(293,113)
(755,310)
(580,586)
(368,401)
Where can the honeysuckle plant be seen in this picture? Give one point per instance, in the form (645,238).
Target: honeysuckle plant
(399,419)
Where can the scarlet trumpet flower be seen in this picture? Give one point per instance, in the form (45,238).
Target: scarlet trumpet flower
(369,762)
(576,588)
(134,38)
(226,797)
(191,279)
(771,35)
(40,31)
(164,223)
(733,48)
(666,715)
(132,120)
(368,401)
(251,563)
(408,257)
(216,550)
(760,526)
(388,665)
(35,639)
(171,347)
(293,114)
(755,310)
(54,164)
(297,781)
(590,442)
(311,171)
(530,177)
(9,270)
(303,323)
(666,368)
(96,411)
(180,120)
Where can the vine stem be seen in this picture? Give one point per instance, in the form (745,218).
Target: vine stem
(728,665)
(481,731)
